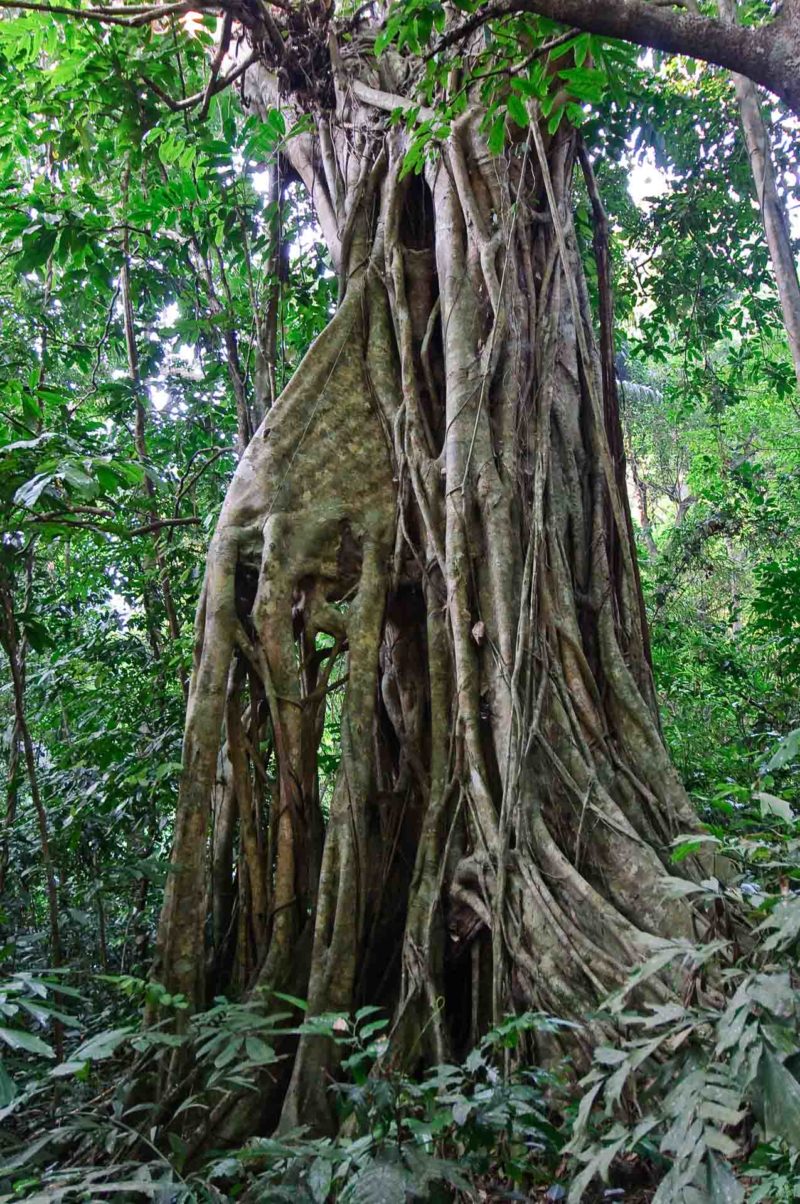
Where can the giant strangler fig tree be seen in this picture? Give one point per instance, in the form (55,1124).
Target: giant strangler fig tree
(436,509)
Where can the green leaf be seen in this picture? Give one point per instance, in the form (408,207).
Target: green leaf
(721,1183)
(715,1139)
(8,1088)
(554,121)
(380,1183)
(781,1099)
(76,476)
(787,751)
(375,1026)
(229,1052)
(67,1069)
(475,1061)
(719,1114)
(586,83)
(606,1055)
(772,805)
(36,248)
(517,111)
(28,494)
(298,1003)
(584,1112)
(785,919)
(103,1045)
(259,1052)
(581,48)
(43,1013)
(369,1010)
(320,1176)
(38,636)
(497,136)
(17,1038)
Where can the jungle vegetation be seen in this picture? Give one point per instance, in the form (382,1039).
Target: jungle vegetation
(400,475)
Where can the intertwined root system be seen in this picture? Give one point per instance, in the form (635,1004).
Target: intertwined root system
(435,513)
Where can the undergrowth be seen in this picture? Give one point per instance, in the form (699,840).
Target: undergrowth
(691,1099)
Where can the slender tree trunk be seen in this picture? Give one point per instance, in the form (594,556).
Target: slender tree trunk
(643,506)
(16,651)
(267,308)
(773,210)
(236,374)
(12,789)
(438,499)
(102,940)
(8,635)
(140,438)
(12,798)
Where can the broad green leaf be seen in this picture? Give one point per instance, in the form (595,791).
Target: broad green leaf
(786,752)
(67,1069)
(18,1039)
(29,493)
(36,248)
(103,1045)
(230,1051)
(8,1088)
(722,1185)
(380,1183)
(517,111)
(259,1052)
(781,1099)
(772,805)
(320,1175)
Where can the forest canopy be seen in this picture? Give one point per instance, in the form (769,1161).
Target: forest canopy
(400,473)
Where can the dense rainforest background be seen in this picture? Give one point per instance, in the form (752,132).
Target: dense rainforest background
(400,708)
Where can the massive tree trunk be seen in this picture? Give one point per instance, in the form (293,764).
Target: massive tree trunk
(435,510)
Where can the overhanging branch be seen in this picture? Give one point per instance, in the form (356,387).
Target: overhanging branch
(130,15)
(769,54)
(215,85)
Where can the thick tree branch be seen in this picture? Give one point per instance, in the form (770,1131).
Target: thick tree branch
(769,55)
(127,15)
(203,98)
(160,523)
(216,66)
(389,102)
(64,518)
